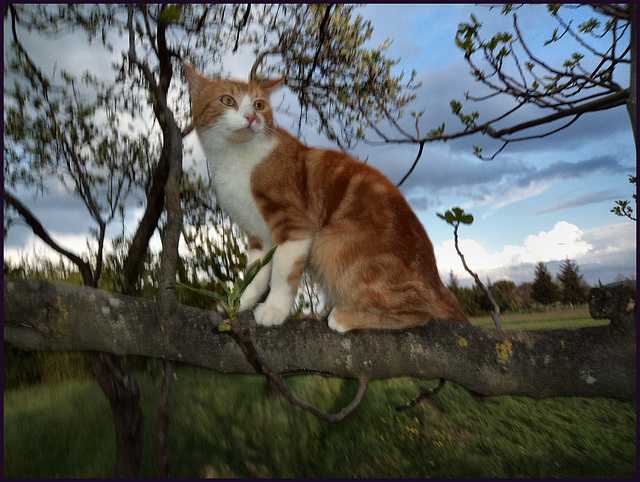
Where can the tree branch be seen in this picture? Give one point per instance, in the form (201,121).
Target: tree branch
(39,230)
(243,24)
(587,362)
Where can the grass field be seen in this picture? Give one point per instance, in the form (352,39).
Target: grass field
(544,320)
(223,426)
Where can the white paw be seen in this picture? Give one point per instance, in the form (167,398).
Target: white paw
(251,295)
(268,315)
(334,325)
(248,299)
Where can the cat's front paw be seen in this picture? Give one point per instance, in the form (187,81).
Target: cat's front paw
(269,315)
(249,298)
(247,301)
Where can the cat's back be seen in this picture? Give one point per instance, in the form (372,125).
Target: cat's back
(332,185)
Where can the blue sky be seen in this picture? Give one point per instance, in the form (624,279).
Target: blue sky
(541,200)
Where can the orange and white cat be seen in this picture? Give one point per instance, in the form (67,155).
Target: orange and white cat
(324,209)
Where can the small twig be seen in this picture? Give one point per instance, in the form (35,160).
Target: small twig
(243,24)
(415,163)
(323,35)
(496,309)
(243,338)
(423,394)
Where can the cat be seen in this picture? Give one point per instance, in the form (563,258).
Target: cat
(324,209)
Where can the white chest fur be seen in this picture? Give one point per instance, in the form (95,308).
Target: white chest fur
(230,167)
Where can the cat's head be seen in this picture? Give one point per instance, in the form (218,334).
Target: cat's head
(233,111)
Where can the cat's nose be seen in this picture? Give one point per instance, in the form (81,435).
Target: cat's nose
(251,117)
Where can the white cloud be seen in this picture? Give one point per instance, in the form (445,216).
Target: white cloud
(601,253)
(513,195)
(564,240)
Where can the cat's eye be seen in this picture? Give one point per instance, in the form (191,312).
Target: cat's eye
(258,105)
(227,100)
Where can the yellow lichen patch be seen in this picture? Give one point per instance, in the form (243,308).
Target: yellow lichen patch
(61,326)
(463,342)
(504,351)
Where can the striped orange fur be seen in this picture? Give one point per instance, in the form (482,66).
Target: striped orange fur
(326,211)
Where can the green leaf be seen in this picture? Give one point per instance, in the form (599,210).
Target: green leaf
(437,131)
(255,267)
(466,219)
(224,326)
(219,298)
(553,8)
(456,107)
(171,13)
(506,9)
(449,217)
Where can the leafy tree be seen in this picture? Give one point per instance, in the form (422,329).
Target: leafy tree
(574,290)
(322,54)
(454,284)
(544,290)
(506,295)
(525,291)
(72,141)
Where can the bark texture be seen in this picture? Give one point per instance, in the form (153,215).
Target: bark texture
(587,362)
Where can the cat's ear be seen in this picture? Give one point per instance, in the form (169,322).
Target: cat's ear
(195,80)
(271,85)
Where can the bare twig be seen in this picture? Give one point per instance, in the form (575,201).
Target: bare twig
(253,75)
(423,394)
(413,166)
(494,305)
(243,339)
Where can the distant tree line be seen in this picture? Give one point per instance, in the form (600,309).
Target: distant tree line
(569,289)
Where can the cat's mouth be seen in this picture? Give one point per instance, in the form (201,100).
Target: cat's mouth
(243,134)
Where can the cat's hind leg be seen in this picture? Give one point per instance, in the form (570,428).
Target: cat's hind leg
(344,320)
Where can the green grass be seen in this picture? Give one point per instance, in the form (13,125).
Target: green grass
(223,425)
(549,320)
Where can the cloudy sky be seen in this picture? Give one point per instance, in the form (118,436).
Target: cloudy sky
(540,200)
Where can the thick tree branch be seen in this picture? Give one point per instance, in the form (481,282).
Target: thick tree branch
(588,362)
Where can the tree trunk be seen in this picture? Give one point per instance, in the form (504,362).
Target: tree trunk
(123,394)
(161,450)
